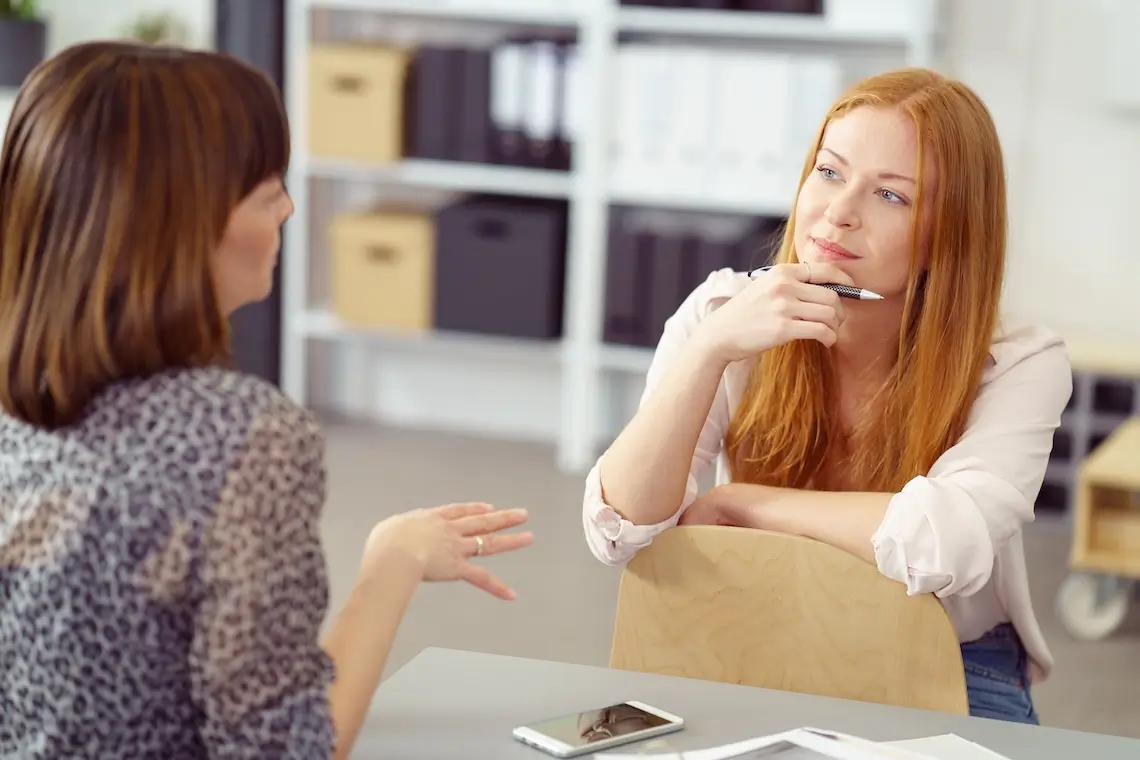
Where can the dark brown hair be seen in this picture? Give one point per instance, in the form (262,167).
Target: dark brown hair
(120,169)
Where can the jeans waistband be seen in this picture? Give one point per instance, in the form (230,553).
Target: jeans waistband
(998,654)
(1000,632)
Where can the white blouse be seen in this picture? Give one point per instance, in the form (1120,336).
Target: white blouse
(955,532)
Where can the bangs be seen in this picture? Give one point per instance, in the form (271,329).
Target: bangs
(259,142)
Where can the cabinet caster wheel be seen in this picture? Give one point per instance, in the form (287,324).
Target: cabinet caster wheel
(1092,607)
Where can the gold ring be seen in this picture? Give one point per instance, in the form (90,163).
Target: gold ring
(478,545)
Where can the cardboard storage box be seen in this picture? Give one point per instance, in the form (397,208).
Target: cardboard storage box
(383,268)
(356,101)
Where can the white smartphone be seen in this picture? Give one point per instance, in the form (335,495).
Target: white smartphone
(592,731)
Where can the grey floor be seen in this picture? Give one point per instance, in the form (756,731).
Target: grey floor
(566,598)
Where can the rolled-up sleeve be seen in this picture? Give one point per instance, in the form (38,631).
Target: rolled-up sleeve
(611,538)
(258,673)
(942,532)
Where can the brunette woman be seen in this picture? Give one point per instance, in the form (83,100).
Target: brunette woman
(162,581)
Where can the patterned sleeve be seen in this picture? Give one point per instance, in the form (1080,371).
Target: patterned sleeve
(258,674)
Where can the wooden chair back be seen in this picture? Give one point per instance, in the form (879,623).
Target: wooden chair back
(764,609)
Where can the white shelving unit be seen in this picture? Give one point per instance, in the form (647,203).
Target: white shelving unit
(581,365)
(752,26)
(449,175)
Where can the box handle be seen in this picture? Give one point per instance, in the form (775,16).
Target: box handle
(348,83)
(494,229)
(381,254)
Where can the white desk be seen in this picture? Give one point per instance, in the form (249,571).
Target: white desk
(463,705)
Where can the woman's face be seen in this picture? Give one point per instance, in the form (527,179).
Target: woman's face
(854,210)
(243,266)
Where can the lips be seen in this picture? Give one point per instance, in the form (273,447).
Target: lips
(833,251)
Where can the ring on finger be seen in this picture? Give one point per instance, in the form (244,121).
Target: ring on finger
(478,545)
(807,268)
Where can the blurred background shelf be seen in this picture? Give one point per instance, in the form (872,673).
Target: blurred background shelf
(324,324)
(686,199)
(632,359)
(448,175)
(760,26)
(628,119)
(545,12)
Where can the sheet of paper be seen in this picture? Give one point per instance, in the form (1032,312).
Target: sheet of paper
(948,747)
(800,744)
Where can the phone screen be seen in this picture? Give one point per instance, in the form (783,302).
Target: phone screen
(584,728)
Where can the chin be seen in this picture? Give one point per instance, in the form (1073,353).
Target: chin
(842,262)
(806,251)
(254,296)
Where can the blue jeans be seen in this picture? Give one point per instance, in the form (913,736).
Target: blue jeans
(997,677)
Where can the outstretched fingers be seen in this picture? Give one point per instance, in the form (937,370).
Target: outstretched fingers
(490,522)
(481,577)
(460,511)
(497,544)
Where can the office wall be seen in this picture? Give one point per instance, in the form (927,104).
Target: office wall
(1074,257)
(73,21)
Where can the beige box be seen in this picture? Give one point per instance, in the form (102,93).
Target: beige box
(383,268)
(356,101)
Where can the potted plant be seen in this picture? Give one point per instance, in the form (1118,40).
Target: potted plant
(23,40)
(158,29)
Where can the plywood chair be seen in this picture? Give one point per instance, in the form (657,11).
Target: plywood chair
(764,609)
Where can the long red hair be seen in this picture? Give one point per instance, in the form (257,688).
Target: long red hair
(785,431)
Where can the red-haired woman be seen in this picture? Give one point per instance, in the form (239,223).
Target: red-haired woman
(912,431)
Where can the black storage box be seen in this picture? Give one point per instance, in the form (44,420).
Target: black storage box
(23,45)
(811,7)
(670,277)
(690,4)
(474,120)
(500,267)
(652,268)
(448,105)
(434,88)
(759,245)
(626,316)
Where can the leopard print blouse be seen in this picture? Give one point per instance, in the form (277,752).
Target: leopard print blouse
(162,581)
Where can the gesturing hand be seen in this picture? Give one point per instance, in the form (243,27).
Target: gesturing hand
(441,542)
(781,305)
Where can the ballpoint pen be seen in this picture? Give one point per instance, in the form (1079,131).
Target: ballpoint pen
(845,291)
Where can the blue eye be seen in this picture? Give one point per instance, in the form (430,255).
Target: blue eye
(826,173)
(892,197)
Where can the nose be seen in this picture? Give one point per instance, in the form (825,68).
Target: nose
(842,211)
